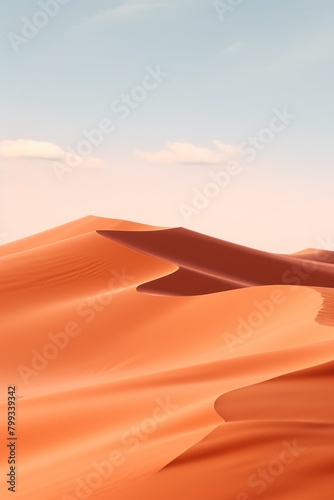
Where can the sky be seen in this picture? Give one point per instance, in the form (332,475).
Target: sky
(211,115)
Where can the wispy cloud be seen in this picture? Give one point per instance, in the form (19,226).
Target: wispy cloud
(127,11)
(186,153)
(26,149)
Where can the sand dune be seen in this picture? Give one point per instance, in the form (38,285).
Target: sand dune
(235,266)
(161,363)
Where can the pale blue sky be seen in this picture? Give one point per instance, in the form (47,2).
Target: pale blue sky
(225,79)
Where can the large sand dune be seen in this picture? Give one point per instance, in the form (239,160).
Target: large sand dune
(157,363)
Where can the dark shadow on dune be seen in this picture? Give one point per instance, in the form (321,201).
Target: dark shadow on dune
(209,265)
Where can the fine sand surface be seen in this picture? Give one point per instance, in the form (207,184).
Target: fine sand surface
(157,363)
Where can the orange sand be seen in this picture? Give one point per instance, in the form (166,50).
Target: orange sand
(155,364)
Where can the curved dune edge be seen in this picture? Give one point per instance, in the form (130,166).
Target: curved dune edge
(303,396)
(169,356)
(203,272)
(290,416)
(208,259)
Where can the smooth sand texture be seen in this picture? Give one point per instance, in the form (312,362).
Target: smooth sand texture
(157,364)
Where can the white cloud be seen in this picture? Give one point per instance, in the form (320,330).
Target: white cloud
(236,47)
(129,10)
(185,153)
(26,149)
